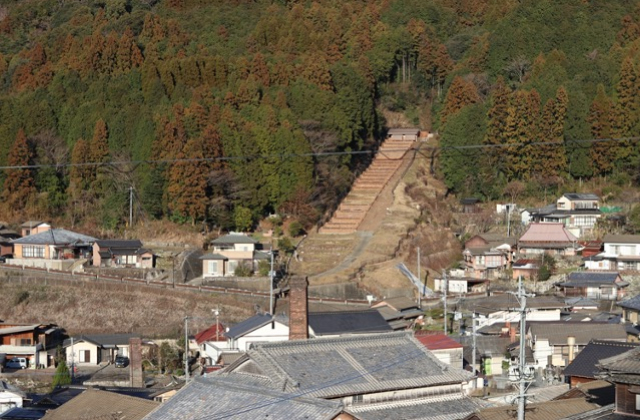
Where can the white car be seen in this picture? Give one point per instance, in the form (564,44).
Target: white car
(17,363)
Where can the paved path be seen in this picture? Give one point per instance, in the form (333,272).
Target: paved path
(364,239)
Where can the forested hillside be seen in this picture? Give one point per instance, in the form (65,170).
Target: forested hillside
(224,111)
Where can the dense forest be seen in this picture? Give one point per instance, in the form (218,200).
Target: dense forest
(223,111)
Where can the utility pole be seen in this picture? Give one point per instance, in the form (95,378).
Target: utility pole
(521,295)
(271,284)
(509,220)
(473,354)
(73,367)
(186,349)
(420,280)
(216,312)
(130,206)
(445,285)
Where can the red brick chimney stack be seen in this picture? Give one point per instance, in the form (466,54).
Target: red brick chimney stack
(298,309)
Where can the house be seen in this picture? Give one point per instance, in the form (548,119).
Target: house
(97,349)
(230,251)
(623,371)
(399,312)
(239,397)
(579,213)
(121,253)
(591,248)
(490,353)
(403,134)
(547,238)
(470,205)
(33,227)
(501,309)
(621,252)
(593,285)
(6,236)
(482,263)
(338,323)
(10,397)
(212,341)
(547,410)
(445,348)
(631,317)
(584,368)
(260,328)
(461,285)
(98,404)
(557,343)
(35,342)
(526,268)
(374,376)
(54,248)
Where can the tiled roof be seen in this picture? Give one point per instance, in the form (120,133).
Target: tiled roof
(604,413)
(400,303)
(249,325)
(213,256)
(488,305)
(625,363)
(20,413)
(31,224)
(226,397)
(621,239)
(548,410)
(94,403)
(55,237)
(546,233)
(234,239)
(213,333)
(349,322)
(491,346)
(578,278)
(104,340)
(585,362)
(581,196)
(632,303)
(451,407)
(332,367)
(129,244)
(437,341)
(558,332)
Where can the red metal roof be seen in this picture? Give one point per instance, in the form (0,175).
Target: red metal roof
(436,341)
(210,334)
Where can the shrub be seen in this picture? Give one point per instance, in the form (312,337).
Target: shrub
(243,270)
(285,245)
(296,229)
(62,376)
(264,266)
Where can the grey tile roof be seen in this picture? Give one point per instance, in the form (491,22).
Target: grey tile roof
(590,277)
(585,363)
(548,410)
(558,332)
(249,325)
(332,367)
(581,196)
(94,403)
(55,236)
(488,305)
(492,346)
(625,365)
(351,322)
(19,413)
(220,397)
(213,256)
(104,340)
(450,407)
(632,303)
(603,413)
(117,243)
(234,239)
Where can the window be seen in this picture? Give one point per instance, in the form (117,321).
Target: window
(30,251)
(25,341)
(213,267)
(637,402)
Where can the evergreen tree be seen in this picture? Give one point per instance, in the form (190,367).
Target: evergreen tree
(496,125)
(19,185)
(62,376)
(460,94)
(187,184)
(602,153)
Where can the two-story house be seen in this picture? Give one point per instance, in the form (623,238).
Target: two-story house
(621,252)
(487,255)
(35,342)
(547,238)
(228,252)
(33,227)
(594,285)
(577,212)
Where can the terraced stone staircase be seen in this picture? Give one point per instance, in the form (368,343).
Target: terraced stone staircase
(364,192)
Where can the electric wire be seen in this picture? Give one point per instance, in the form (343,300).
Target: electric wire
(283,156)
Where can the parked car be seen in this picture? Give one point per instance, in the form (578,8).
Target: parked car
(122,361)
(17,363)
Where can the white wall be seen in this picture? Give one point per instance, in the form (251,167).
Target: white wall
(9,400)
(266,334)
(82,346)
(506,316)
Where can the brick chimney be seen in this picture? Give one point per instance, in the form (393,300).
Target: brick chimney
(298,309)
(135,362)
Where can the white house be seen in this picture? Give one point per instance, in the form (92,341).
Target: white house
(230,251)
(621,253)
(502,309)
(261,328)
(578,212)
(96,349)
(10,397)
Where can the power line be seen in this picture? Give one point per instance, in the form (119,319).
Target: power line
(282,156)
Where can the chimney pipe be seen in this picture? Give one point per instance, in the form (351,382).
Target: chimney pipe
(571,342)
(135,362)
(298,308)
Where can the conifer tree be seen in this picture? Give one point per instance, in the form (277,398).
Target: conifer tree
(460,94)
(19,185)
(602,153)
(496,125)
(187,185)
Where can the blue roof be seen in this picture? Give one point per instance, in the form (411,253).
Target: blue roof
(632,303)
(351,322)
(249,325)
